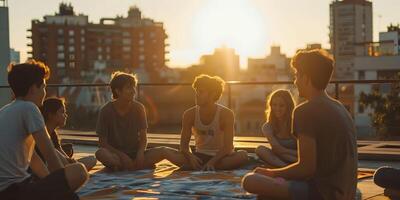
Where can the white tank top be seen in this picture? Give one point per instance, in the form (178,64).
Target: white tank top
(209,139)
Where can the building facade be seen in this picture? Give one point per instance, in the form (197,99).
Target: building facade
(350,25)
(76,49)
(5,94)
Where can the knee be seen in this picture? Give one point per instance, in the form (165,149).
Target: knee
(384,176)
(101,153)
(248,181)
(76,175)
(260,149)
(243,155)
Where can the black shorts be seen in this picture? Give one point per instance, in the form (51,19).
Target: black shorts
(203,157)
(52,187)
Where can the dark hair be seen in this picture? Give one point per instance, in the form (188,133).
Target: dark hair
(51,105)
(210,83)
(22,76)
(315,64)
(119,80)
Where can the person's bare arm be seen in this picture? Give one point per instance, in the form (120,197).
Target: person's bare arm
(38,167)
(277,148)
(47,149)
(304,168)
(186,134)
(228,129)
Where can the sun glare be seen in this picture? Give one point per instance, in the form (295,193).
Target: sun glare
(233,23)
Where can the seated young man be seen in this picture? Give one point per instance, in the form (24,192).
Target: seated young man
(21,126)
(213,129)
(327,149)
(122,129)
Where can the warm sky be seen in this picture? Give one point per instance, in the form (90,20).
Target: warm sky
(196,27)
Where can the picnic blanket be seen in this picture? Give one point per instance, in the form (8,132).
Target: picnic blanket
(167,181)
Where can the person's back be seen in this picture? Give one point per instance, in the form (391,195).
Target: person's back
(17,119)
(330,124)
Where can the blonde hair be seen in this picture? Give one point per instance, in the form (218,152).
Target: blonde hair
(286,96)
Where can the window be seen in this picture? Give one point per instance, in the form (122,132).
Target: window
(100,57)
(60,47)
(141,42)
(82,39)
(361,75)
(71,40)
(72,57)
(99,49)
(72,65)
(82,32)
(83,48)
(60,31)
(126,48)
(141,57)
(71,33)
(71,49)
(126,34)
(126,41)
(141,49)
(60,56)
(152,34)
(61,64)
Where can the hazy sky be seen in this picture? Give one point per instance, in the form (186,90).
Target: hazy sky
(196,27)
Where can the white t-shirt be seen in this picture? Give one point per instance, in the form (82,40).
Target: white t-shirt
(18,120)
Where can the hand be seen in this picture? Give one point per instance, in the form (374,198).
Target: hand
(195,162)
(139,161)
(209,166)
(126,162)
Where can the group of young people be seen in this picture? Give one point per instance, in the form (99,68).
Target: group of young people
(313,151)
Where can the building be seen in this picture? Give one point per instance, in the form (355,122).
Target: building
(350,24)
(274,67)
(5,94)
(77,49)
(224,62)
(14,56)
(381,63)
(390,41)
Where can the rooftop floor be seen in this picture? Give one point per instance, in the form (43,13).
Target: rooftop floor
(373,154)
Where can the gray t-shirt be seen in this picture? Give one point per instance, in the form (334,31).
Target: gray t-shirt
(327,120)
(122,132)
(18,120)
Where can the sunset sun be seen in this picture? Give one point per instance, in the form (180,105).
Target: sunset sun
(233,23)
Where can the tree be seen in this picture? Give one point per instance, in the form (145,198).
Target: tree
(386,110)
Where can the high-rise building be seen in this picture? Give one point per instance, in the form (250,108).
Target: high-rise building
(350,26)
(5,95)
(76,49)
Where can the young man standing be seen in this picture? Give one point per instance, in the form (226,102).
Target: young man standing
(21,126)
(213,128)
(327,149)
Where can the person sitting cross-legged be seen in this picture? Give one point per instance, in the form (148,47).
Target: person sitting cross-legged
(326,167)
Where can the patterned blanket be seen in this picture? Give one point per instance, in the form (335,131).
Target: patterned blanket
(166,182)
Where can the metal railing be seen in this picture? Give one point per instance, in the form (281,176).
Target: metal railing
(229,84)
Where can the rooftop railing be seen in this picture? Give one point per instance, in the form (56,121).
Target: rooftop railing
(346,91)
